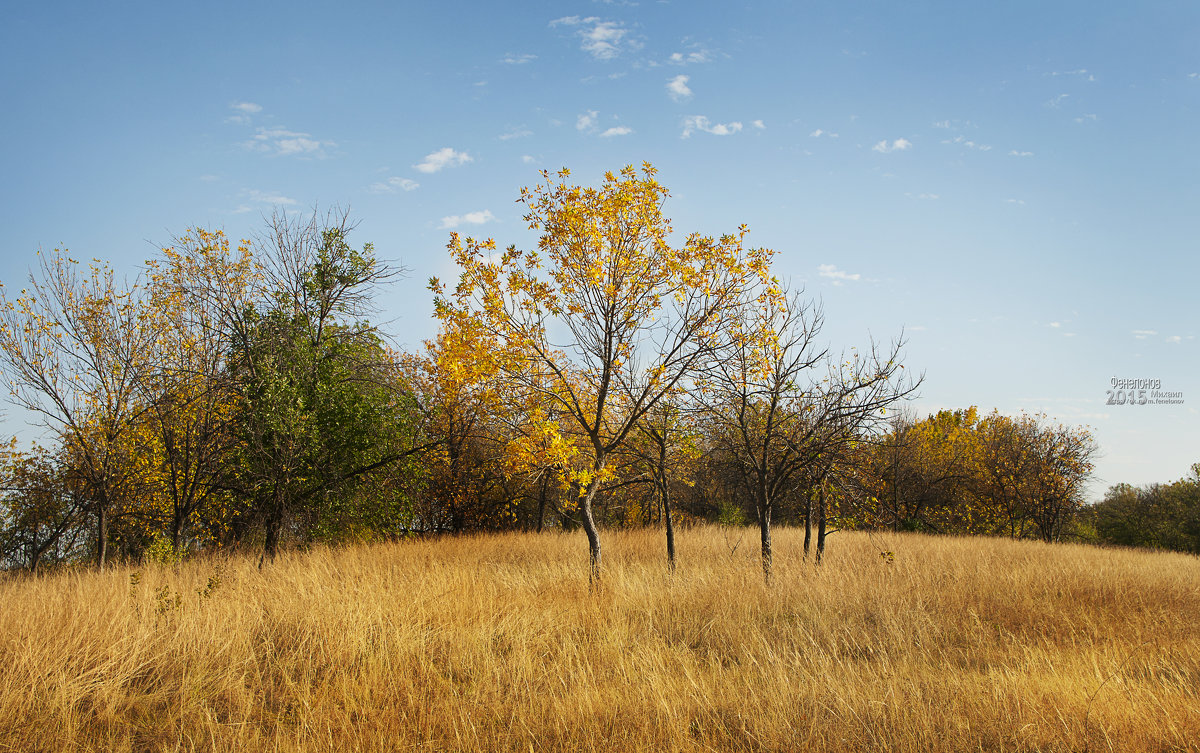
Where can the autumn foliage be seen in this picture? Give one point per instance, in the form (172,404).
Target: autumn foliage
(617,374)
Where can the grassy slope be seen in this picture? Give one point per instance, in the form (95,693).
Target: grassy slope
(494,643)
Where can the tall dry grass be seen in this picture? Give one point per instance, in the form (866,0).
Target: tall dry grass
(494,643)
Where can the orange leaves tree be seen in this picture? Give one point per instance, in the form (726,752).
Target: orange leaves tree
(605,317)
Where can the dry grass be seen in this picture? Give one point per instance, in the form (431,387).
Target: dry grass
(494,643)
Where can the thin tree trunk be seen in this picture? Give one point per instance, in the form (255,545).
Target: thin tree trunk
(666,500)
(589,527)
(274,523)
(542,501)
(808,510)
(102,533)
(764,529)
(821,521)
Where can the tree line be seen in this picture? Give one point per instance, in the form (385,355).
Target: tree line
(239,395)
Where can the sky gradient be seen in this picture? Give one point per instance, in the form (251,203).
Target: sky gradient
(1013,186)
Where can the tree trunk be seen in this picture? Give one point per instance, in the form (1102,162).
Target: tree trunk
(274,523)
(808,510)
(821,520)
(589,527)
(666,500)
(542,500)
(764,529)
(102,533)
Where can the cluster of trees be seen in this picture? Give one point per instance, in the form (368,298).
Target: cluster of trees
(959,472)
(1157,516)
(240,395)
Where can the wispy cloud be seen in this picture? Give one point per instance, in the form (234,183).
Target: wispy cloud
(759,125)
(242,112)
(1142,334)
(617,131)
(1057,101)
(391,185)
(603,40)
(441,159)
(470,218)
(899,145)
(264,198)
(699,55)
(515,133)
(831,272)
(528,159)
(1087,118)
(678,89)
(968,143)
(587,121)
(283,142)
(1018,202)
(511,59)
(693,123)
(922,196)
(1174,339)
(1015,153)
(1080,72)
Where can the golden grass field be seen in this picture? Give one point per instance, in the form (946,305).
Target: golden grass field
(494,643)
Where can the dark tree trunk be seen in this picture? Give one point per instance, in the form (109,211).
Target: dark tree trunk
(808,511)
(274,523)
(542,501)
(589,527)
(821,521)
(666,500)
(764,529)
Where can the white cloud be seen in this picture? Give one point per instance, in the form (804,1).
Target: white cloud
(1055,325)
(816,134)
(528,159)
(832,272)
(922,195)
(1015,153)
(243,112)
(283,142)
(678,89)
(1087,117)
(1194,75)
(1057,101)
(941,124)
(586,121)
(603,40)
(1174,339)
(1142,334)
(617,131)
(511,59)
(516,133)
(759,125)
(470,218)
(693,123)
(899,145)
(687,58)
(266,197)
(964,141)
(442,158)
(1019,202)
(391,184)
(1082,72)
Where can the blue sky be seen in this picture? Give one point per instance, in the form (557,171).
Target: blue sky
(1015,185)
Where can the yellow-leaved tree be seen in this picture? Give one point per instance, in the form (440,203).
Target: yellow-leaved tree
(605,317)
